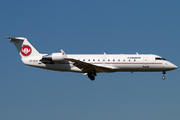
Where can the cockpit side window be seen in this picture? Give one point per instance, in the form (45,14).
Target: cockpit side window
(158,58)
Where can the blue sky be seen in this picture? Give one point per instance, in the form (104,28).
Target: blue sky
(80,27)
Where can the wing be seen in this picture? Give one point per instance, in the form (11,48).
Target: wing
(87,67)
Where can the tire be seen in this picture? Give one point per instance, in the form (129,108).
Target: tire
(163,77)
(91,77)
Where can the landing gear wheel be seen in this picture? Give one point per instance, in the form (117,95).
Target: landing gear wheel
(94,74)
(91,77)
(163,77)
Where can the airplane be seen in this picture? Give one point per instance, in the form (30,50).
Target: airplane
(91,64)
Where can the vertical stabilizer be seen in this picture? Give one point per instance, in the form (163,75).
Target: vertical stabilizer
(24,47)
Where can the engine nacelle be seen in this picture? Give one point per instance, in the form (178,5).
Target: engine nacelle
(57,57)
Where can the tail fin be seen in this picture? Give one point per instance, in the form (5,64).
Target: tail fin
(23,46)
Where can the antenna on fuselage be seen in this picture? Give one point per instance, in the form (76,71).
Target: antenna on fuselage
(104,53)
(137,53)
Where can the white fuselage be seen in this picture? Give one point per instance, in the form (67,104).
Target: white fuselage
(117,62)
(90,64)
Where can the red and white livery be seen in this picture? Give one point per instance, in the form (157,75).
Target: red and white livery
(91,64)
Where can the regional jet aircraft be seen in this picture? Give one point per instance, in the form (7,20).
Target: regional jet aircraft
(91,64)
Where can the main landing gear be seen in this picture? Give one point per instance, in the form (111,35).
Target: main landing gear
(163,77)
(92,75)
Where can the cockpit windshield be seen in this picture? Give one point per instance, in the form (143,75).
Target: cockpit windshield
(158,58)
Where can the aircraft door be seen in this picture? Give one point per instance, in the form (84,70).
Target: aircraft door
(145,63)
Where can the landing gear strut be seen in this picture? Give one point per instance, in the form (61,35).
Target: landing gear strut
(163,77)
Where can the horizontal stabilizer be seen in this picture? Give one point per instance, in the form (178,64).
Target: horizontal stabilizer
(12,39)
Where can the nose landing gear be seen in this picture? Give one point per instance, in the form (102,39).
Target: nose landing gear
(163,77)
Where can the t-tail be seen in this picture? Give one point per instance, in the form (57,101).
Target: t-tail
(24,47)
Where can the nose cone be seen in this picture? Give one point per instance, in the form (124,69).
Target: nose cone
(169,66)
(172,66)
(175,67)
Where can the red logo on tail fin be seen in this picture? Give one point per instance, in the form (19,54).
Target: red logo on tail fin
(26,50)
